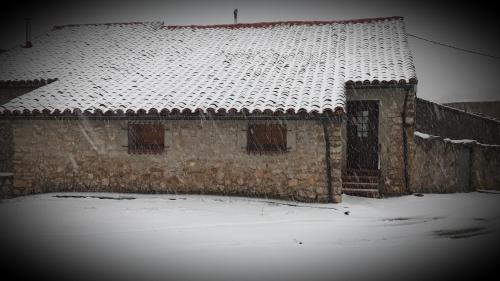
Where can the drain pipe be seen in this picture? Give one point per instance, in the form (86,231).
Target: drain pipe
(28,43)
(405,143)
(324,122)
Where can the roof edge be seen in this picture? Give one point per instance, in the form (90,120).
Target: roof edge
(338,110)
(27,83)
(56,27)
(166,114)
(377,82)
(275,23)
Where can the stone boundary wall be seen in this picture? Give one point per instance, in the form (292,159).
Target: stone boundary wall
(441,165)
(486,167)
(201,157)
(488,108)
(439,120)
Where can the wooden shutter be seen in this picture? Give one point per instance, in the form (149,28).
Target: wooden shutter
(146,138)
(266,138)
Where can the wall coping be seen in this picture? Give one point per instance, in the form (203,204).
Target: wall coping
(463,142)
(458,110)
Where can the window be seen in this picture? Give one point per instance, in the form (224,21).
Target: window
(146,138)
(266,138)
(361,122)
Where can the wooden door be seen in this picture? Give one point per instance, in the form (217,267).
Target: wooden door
(362,135)
(463,169)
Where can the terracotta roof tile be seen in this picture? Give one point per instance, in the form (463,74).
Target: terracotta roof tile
(284,66)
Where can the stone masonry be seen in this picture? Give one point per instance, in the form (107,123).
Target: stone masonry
(336,131)
(438,120)
(6,146)
(202,157)
(438,166)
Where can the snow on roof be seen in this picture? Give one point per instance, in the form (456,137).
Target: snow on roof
(263,67)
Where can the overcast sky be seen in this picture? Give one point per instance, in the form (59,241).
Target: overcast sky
(445,75)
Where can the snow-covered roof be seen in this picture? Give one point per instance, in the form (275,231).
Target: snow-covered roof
(262,67)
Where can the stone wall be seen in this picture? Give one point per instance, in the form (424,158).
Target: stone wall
(439,120)
(336,136)
(201,157)
(443,166)
(391,148)
(485,167)
(487,108)
(8,92)
(434,165)
(6,146)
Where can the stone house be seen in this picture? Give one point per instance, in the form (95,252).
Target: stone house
(295,110)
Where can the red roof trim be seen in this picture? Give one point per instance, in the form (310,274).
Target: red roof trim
(108,24)
(269,24)
(239,25)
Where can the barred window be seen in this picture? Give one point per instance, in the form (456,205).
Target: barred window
(361,122)
(266,138)
(146,138)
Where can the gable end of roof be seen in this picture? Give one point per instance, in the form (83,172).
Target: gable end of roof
(288,23)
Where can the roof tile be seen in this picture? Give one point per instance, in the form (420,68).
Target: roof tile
(284,66)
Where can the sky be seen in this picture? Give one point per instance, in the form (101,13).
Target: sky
(444,74)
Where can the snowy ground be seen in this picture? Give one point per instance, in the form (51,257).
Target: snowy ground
(194,237)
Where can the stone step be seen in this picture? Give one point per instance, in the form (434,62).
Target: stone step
(370,179)
(362,172)
(371,193)
(360,185)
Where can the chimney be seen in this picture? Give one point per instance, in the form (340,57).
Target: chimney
(235,12)
(28,43)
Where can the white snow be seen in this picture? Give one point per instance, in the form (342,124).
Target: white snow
(121,67)
(423,135)
(458,141)
(194,237)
